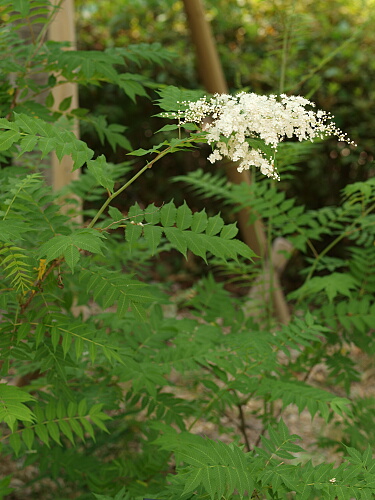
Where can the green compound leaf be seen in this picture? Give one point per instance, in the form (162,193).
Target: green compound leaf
(332,285)
(217,467)
(186,231)
(136,213)
(65,103)
(27,144)
(28,437)
(72,256)
(168,214)
(50,136)
(4,123)
(99,169)
(230,231)
(69,246)
(133,233)
(152,214)
(8,138)
(214,225)
(153,235)
(172,98)
(199,222)
(110,288)
(177,238)
(15,443)
(12,407)
(184,217)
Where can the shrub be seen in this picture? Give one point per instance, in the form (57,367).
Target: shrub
(106,394)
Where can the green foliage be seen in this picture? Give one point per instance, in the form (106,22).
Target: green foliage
(354,216)
(107,383)
(185,231)
(264,47)
(217,469)
(54,421)
(12,407)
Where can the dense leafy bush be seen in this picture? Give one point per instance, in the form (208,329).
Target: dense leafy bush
(108,386)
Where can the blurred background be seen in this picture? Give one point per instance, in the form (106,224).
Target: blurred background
(321,50)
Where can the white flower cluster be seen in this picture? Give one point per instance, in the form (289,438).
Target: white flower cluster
(231,120)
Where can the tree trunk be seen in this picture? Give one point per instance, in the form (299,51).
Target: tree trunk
(62,29)
(211,73)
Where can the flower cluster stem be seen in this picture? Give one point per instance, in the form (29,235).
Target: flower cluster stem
(126,185)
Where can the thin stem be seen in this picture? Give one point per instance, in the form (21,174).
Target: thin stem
(125,186)
(312,248)
(39,40)
(270,284)
(43,33)
(243,426)
(135,177)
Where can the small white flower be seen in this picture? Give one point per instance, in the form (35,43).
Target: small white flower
(215,156)
(333,480)
(235,119)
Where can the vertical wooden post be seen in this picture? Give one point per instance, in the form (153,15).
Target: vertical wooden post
(62,29)
(213,79)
